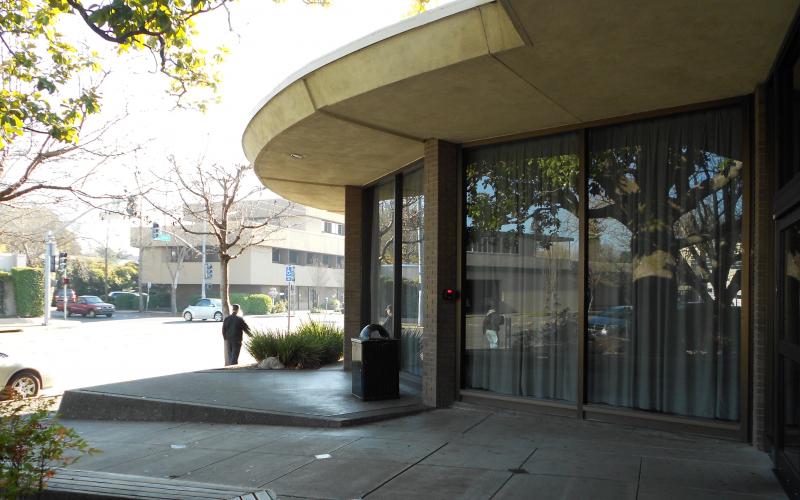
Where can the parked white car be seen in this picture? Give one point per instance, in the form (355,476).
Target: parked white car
(204,309)
(21,377)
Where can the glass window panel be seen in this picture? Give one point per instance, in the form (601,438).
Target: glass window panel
(791,135)
(665,256)
(412,290)
(382,255)
(791,284)
(521,294)
(791,405)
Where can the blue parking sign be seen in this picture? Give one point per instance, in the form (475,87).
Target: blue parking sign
(289,273)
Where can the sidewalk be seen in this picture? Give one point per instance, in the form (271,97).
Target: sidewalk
(463,452)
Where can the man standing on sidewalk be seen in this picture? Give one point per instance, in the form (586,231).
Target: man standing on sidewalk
(232,329)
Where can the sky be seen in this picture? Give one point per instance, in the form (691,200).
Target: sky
(269,42)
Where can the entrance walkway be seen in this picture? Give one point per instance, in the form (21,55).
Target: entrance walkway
(324,450)
(463,452)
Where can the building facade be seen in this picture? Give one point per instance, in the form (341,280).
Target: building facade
(311,240)
(598,202)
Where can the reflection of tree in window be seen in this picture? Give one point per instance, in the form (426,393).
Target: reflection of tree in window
(665,207)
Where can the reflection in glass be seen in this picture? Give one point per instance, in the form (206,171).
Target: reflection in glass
(411,298)
(791,322)
(791,284)
(521,295)
(382,256)
(665,255)
(791,168)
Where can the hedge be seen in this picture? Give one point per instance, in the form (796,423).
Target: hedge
(4,277)
(255,303)
(28,291)
(126,301)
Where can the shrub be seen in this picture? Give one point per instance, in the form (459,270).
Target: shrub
(28,291)
(126,301)
(329,337)
(33,447)
(312,345)
(279,307)
(257,304)
(4,277)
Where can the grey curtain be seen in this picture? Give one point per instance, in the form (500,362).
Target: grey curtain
(665,255)
(522,248)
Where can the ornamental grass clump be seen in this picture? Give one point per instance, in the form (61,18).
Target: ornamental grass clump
(313,344)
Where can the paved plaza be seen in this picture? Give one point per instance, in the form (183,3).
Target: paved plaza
(462,452)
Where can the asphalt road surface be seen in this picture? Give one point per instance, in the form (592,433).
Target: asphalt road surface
(82,352)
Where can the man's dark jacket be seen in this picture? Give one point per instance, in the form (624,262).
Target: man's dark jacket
(232,328)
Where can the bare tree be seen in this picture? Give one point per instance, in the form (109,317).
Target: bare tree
(175,262)
(41,168)
(23,228)
(221,202)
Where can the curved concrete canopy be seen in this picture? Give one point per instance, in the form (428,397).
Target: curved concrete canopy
(476,69)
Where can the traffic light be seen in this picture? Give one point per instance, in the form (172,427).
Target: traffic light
(156,231)
(62,261)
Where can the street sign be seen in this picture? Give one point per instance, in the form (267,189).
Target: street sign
(289,273)
(209,271)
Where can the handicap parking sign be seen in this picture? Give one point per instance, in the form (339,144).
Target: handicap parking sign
(289,273)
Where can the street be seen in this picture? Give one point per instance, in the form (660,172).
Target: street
(82,352)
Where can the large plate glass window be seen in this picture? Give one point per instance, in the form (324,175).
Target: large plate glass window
(665,263)
(521,294)
(382,255)
(789,349)
(411,292)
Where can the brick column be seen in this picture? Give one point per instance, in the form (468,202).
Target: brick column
(442,219)
(762,265)
(354,254)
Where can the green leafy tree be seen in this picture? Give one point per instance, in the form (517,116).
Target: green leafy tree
(50,84)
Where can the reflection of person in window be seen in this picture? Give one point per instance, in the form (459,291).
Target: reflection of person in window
(491,326)
(389,321)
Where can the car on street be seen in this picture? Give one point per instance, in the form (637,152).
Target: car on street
(91,306)
(59,294)
(21,377)
(204,309)
(614,321)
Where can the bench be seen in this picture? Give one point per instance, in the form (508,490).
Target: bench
(73,484)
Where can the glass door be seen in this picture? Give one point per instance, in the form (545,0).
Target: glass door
(787,366)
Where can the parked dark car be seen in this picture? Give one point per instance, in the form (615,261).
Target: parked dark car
(91,306)
(614,321)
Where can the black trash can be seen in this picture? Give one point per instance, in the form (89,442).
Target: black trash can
(376,364)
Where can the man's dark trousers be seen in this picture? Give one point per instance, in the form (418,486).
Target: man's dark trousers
(232,349)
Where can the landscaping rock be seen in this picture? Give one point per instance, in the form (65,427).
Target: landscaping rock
(271,363)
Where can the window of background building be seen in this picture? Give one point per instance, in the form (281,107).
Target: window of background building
(382,255)
(412,290)
(276,255)
(665,264)
(521,296)
(327,227)
(340,229)
(294,257)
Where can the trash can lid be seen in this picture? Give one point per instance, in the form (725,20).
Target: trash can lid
(373,332)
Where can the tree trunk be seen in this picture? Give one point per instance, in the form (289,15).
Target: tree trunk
(224,288)
(174,294)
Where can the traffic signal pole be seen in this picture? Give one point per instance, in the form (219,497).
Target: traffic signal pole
(49,252)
